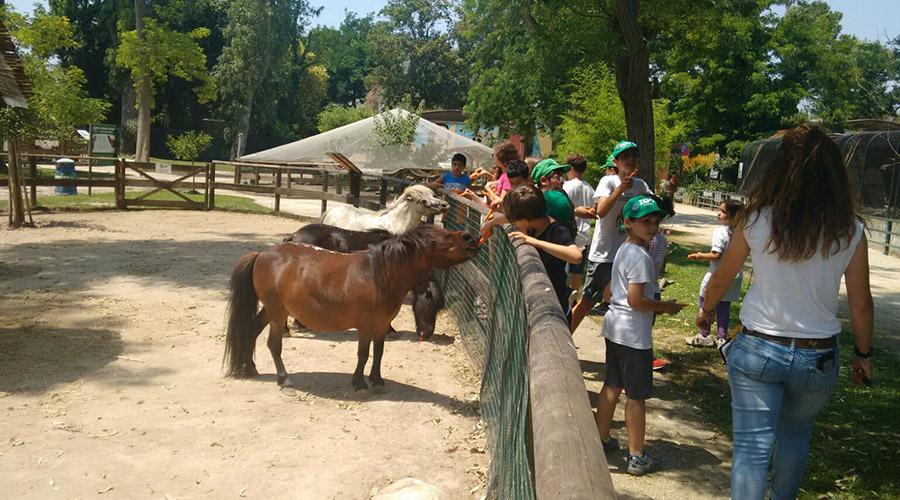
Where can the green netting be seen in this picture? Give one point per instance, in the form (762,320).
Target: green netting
(485,297)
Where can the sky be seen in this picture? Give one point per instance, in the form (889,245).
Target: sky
(877,20)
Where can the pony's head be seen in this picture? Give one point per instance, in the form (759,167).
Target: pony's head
(426,245)
(423,199)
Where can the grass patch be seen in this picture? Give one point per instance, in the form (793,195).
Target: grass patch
(108,200)
(855,447)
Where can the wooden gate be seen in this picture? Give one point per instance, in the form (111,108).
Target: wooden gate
(147,171)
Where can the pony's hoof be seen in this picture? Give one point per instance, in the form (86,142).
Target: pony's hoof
(249,371)
(285,381)
(360,386)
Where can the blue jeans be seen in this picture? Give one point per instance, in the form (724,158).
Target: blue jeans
(776,393)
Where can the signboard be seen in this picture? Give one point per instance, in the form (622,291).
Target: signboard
(104,143)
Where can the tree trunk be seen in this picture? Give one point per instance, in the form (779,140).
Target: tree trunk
(633,83)
(243,127)
(16,203)
(128,116)
(142,140)
(144,95)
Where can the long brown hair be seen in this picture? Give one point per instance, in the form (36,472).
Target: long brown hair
(806,187)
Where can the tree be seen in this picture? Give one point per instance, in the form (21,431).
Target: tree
(59,103)
(334,116)
(412,57)
(152,54)
(189,145)
(260,39)
(344,52)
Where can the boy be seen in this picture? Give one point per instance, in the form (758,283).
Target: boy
(526,209)
(455,180)
(626,328)
(610,196)
(581,195)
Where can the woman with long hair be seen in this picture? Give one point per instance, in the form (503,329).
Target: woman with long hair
(801,228)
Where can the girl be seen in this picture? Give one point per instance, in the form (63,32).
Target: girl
(721,237)
(801,228)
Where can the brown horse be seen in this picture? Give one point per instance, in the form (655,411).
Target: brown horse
(330,291)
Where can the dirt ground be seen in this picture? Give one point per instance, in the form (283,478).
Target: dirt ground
(111,340)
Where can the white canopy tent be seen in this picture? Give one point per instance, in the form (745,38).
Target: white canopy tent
(432,147)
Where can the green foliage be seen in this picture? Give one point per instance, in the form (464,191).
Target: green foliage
(396,127)
(345,54)
(163,53)
(411,57)
(189,145)
(60,103)
(335,115)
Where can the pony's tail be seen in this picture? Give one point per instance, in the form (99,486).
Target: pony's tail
(240,337)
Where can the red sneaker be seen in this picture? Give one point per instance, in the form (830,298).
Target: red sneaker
(660,363)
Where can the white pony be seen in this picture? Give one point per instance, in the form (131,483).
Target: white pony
(400,216)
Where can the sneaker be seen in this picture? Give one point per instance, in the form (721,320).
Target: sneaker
(720,341)
(700,341)
(611,445)
(660,363)
(638,466)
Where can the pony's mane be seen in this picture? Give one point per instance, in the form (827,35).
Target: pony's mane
(393,253)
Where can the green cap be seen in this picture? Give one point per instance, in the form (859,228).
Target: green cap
(545,168)
(641,206)
(558,206)
(610,161)
(623,146)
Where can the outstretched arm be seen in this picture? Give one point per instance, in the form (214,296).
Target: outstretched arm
(859,298)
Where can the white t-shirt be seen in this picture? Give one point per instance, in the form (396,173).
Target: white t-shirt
(793,299)
(607,237)
(720,240)
(622,324)
(582,195)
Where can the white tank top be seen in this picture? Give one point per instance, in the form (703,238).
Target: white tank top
(793,298)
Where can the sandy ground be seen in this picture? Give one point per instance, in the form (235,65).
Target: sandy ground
(111,339)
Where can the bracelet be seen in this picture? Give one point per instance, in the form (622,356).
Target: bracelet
(863,355)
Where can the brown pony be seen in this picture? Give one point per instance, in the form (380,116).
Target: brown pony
(330,291)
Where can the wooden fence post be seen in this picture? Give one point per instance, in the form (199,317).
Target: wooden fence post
(277,188)
(888,228)
(32,167)
(382,194)
(211,185)
(324,190)
(90,176)
(120,184)
(355,187)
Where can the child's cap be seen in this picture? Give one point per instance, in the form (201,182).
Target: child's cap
(558,206)
(621,147)
(545,168)
(610,161)
(641,206)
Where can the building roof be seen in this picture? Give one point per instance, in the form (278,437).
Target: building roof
(14,86)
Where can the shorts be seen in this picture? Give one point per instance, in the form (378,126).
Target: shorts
(629,368)
(579,268)
(596,279)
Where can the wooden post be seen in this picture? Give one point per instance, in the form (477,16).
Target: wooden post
(90,175)
(32,167)
(382,193)
(120,184)
(888,228)
(337,184)
(16,202)
(324,190)
(355,187)
(237,173)
(206,189)
(277,187)
(211,185)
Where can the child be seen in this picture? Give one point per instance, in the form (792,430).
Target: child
(455,180)
(582,196)
(627,327)
(610,196)
(658,248)
(526,209)
(721,238)
(504,153)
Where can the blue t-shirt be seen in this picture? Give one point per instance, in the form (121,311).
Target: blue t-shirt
(453,182)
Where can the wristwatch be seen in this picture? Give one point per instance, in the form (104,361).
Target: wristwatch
(863,355)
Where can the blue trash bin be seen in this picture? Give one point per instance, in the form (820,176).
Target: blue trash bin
(65,169)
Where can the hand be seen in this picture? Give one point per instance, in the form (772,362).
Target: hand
(693,256)
(703,318)
(627,182)
(861,371)
(468,193)
(672,307)
(495,205)
(519,235)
